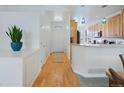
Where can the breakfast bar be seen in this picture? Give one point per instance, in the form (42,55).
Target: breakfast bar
(92,60)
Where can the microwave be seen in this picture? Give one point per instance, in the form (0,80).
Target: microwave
(97,34)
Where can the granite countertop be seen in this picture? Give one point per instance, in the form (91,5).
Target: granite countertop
(100,45)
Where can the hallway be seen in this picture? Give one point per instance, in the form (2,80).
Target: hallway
(57,72)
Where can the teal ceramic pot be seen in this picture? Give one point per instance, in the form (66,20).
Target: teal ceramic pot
(16,46)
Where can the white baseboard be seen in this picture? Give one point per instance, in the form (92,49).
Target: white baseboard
(35,77)
(40,69)
(90,75)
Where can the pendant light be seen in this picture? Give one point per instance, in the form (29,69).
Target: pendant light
(83,20)
(104,20)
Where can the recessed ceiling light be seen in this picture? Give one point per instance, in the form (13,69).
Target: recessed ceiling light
(96,16)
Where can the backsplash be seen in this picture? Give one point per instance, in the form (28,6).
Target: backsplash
(106,40)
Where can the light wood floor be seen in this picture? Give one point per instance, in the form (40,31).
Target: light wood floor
(57,74)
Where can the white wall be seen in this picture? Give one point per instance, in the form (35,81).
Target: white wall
(60,33)
(37,31)
(28,21)
(11,72)
(45,36)
(54,35)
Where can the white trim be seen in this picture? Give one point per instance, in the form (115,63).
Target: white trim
(39,71)
(45,60)
(90,75)
(35,77)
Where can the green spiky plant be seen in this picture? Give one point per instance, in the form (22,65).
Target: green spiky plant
(15,33)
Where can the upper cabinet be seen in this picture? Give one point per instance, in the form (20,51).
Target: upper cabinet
(122,23)
(114,26)
(104,29)
(98,27)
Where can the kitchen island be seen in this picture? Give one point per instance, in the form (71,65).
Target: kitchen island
(92,60)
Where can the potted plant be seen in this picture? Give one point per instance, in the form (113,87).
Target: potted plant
(15,34)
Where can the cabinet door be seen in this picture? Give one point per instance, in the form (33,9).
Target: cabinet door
(114,26)
(95,27)
(109,27)
(103,29)
(99,26)
(123,23)
(106,29)
(92,27)
(89,28)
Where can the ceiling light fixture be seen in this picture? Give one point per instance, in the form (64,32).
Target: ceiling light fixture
(104,20)
(58,18)
(83,20)
(96,16)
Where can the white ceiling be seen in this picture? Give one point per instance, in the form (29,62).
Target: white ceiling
(36,8)
(89,12)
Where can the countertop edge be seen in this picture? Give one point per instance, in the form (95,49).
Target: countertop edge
(99,45)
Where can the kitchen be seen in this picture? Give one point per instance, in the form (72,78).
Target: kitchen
(97,40)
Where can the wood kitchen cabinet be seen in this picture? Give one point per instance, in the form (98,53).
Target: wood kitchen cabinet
(122,22)
(98,27)
(73,25)
(91,28)
(115,26)
(104,29)
(112,28)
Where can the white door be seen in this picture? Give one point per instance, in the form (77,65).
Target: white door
(58,37)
